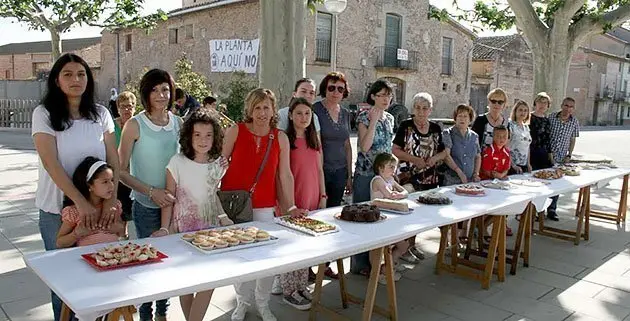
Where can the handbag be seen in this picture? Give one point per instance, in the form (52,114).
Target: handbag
(238,204)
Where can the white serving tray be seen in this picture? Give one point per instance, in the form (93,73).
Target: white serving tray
(272,240)
(304,230)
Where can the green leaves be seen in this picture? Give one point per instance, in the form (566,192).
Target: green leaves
(234,92)
(191,82)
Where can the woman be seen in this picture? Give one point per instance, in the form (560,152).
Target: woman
(126,107)
(245,146)
(520,138)
(462,148)
(484,124)
(148,142)
(418,145)
(540,130)
(376,131)
(68,127)
(335,138)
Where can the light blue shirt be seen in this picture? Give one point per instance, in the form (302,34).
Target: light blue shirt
(283,120)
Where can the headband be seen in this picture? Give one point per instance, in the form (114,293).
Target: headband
(93,169)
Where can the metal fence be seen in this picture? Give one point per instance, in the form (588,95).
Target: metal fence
(17,113)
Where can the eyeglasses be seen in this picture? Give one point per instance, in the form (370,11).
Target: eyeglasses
(384,95)
(498,102)
(340,89)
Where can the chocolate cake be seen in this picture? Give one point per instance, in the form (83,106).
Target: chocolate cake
(434,198)
(360,213)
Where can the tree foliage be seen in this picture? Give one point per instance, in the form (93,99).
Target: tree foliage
(191,82)
(233,93)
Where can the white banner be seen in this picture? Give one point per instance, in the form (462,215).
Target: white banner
(229,55)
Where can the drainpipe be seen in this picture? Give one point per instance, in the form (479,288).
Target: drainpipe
(118,60)
(468,62)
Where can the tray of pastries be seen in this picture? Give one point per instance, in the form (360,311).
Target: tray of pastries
(307,225)
(548,173)
(470,190)
(122,255)
(220,240)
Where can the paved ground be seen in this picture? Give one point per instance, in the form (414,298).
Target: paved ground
(563,282)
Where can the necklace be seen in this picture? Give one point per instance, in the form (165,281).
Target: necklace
(493,120)
(421,126)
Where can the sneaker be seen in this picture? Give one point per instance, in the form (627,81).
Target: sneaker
(399,267)
(276,288)
(239,312)
(410,258)
(417,252)
(265,313)
(306,294)
(297,301)
(382,279)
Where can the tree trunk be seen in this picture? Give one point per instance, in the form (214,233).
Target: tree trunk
(551,67)
(282,44)
(55,41)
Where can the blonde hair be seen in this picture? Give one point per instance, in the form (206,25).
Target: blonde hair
(256,97)
(498,91)
(520,103)
(126,96)
(540,96)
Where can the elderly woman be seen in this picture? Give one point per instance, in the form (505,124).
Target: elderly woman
(418,145)
(376,130)
(245,145)
(462,147)
(126,106)
(484,124)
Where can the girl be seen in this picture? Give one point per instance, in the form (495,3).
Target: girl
(383,185)
(310,189)
(520,138)
(147,143)
(95,181)
(193,176)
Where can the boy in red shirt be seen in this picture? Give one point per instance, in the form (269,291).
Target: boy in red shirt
(495,159)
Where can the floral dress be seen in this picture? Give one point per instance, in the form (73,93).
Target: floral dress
(197,206)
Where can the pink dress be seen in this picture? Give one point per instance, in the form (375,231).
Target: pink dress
(304,166)
(71,215)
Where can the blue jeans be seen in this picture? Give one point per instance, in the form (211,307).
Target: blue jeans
(361,186)
(335,181)
(148,220)
(49,225)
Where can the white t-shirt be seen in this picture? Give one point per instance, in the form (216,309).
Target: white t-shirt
(283,119)
(84,138)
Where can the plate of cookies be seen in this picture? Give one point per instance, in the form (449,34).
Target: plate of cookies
(219,240)
(118,256)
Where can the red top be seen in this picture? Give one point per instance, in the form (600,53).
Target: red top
(244,163)
(494,158)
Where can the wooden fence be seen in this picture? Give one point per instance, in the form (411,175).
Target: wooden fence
(16,113)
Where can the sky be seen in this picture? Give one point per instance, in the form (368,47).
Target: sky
(13,31)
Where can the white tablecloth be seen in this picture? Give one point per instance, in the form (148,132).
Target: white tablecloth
(90,293)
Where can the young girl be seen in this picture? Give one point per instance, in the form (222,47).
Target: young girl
(95,180)
(520,138)
(193,176)
(310,190)
(383,185)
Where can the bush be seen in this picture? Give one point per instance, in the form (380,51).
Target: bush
(234,92)
(194,84)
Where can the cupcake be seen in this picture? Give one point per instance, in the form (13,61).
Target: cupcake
(238,232)
(227,233)
(233,241)
(251,228)
(188,237)
(198,240)
(221,244)
(206,246)
(245,239)
(214,234)
(262,236)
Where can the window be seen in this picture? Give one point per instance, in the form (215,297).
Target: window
(323,36)
(458,89)
(7,74)
(172,36)
(620,66)
(447,56)
(188,29)
(392,39)
(444,86)
(39,67)
(399,89)
(627,110)
(518,71)
(128,42)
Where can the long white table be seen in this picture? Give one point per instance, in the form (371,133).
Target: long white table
(90,293)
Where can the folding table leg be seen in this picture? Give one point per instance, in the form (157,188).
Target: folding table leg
(317,294)
(65,312)
(442,250)
(523,225)
(501,250)
(370,295)
(580,222)
(623,202)
(528,233)
(587,215)
(342,283)
(391,284)
(492,252)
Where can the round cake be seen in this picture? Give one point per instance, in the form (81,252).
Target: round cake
(360,213)
(434,198)
(470,189)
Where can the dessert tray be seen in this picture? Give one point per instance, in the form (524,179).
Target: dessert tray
(529,182)
(380,219)
(433,198)
(548,174)
(123,255)
(497,184)
(220,240)
(570,170)
(474,190)
(307,225)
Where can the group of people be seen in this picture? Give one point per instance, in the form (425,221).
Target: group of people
(163,171)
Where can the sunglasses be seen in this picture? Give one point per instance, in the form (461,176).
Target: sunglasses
(498,102)
(340,89)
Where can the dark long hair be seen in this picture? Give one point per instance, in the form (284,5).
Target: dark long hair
(310,134)
(201,116)
(56,102)
(79,178)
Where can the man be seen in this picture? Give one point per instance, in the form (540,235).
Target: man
(184,103)
(210,103)
(304,88)
(565,128)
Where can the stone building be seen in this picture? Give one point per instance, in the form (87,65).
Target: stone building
(32,60)
(505,62)
(391,39)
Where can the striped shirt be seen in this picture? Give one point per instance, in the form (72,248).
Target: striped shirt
(70,214)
